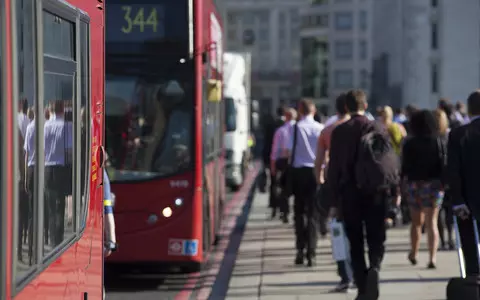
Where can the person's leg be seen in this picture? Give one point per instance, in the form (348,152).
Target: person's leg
(354,230)
(299,219)
(345,276)
(449,225)
(309,193)
(441,224)
(469,246)
(415,233)
(376,230)
(272,198)
(431,221)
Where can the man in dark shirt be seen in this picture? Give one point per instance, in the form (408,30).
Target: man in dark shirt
(355,206)
(463,169)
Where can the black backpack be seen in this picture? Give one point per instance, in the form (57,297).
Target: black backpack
(377,165)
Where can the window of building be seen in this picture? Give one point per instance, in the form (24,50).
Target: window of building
(53,133)
(434,36)
(281,18)
(363,49)
(343,20)
(343,79)
(364,79)
(232,35)
(363,20)
(263,17)
(434,77)
(232,18)
(248,18)
(294,15)
(343,50)
(263,34)
(321,21)
(319,2)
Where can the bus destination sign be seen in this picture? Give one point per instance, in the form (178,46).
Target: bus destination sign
(135,23)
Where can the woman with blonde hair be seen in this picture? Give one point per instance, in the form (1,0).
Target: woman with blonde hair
(445,220)
(397,133)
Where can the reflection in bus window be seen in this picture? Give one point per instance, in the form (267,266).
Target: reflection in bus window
(27,139)
(149,127)
(59,81)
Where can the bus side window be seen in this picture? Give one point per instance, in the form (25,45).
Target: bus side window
(27,138)
(85,116)
(60,130)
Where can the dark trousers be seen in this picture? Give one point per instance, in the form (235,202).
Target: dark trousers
(469,246)
(369,210)
(282,194)
(343,270)
(25,228)
(271,199)
(306,213)
(57,186)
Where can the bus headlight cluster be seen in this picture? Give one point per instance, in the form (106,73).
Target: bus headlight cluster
(178,202)
(167,212)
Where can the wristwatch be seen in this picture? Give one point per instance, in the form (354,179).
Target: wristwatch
(111,246)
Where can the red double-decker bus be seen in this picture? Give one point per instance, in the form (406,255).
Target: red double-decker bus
(164,128)
(51,120)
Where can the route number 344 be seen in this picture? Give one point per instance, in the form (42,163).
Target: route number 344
(139,18)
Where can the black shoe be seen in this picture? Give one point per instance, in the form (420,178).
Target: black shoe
(285,218)
(412,259)
(451,245)
(361,297)
(274,213)
(372,292)
(342,287)
(299,259)
(431,266)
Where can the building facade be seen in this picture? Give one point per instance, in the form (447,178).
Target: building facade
(270,30)
(424,50)
(336,42)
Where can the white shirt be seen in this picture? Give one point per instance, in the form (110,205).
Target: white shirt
(308,131)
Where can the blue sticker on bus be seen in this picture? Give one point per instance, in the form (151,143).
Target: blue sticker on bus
(190,247)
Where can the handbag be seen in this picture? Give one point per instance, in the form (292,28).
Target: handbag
(340,244)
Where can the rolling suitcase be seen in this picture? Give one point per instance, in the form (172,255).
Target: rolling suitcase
(464,287)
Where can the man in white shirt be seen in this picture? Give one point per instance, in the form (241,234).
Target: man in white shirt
(303,149)
(279,163)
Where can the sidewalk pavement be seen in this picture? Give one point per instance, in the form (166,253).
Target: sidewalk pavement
(264,266)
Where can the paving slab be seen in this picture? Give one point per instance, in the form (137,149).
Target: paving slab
(264,266)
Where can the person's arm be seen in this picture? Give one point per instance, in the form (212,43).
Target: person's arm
(109,220)
(274,153)
(406,160)
(334,166)
(320,158)
(454,176)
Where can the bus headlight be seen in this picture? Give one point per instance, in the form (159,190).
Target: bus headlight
(167,212)
(178,202)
